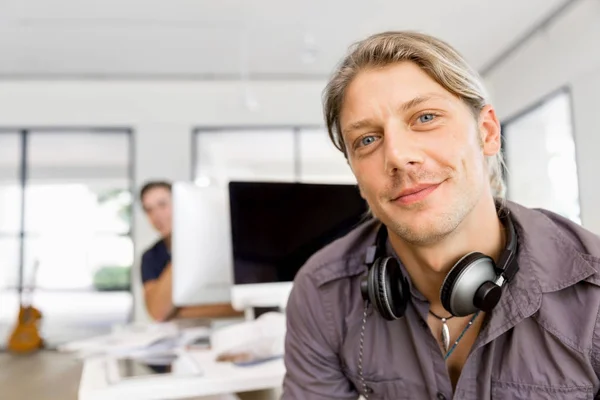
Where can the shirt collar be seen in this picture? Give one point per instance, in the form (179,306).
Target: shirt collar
(549,260)
(554,251)
(551,257)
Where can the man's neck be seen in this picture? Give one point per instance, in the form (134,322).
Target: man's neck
(167,240)
(480,231)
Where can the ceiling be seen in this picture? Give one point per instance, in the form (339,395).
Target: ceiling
(234,39)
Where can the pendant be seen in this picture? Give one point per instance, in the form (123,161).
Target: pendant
(445,335)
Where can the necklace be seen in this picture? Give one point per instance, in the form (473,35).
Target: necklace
(446,332)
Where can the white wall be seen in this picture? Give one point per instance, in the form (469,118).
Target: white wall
(566,53)
(162,116)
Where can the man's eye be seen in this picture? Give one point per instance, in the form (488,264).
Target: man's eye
(426,118)
(367,140)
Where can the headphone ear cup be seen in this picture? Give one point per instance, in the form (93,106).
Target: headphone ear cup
(373,287)
(460,287)
(388,288)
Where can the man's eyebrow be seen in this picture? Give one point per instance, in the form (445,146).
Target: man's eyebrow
(363,123)
(419,100)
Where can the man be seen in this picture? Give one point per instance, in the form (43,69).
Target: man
(156,261)
(414,122)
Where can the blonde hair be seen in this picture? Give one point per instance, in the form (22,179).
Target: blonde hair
(435,57)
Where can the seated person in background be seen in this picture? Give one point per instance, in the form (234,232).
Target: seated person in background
(156,261)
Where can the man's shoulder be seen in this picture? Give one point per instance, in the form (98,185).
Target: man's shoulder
(157,247)
(154,260)
(341,258)
(559,277)
(551,226)
(559,252)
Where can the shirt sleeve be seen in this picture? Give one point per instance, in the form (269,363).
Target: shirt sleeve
(313,368)
(151,267)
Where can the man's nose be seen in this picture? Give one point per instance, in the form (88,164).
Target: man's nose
(402,151)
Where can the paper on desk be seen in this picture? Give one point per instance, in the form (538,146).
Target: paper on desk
(155,341)
(194,335)
(252,341)
(117,343)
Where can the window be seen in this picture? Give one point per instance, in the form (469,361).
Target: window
(320,160)
(76,231)
(76,203)
(262,154)
(541,159)
(10,210)
(10,226)
(287,154)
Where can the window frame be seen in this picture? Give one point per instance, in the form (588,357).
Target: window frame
(295,129)
(22,235)
(565,90)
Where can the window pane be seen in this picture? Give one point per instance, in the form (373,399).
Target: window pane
(67,315)
(76,207)
(79,262)
(102,158)
(78,182)
(9,262)
(222,156)
(541,159)
(75,315)
(10,187)
(321,161)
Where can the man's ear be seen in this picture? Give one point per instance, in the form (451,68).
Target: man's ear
(489,130)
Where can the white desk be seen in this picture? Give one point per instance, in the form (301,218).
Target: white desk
(218,378)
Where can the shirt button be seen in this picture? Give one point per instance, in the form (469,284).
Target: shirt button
(441,396)
(368,390)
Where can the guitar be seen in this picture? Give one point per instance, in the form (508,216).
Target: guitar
(25,337)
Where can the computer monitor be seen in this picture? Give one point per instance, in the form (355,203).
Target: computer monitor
(201,245)
(276,227)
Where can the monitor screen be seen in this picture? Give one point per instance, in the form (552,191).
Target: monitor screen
(276,227)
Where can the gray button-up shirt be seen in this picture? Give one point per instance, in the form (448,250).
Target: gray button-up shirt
(542,341)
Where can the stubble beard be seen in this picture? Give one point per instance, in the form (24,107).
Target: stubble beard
(431,229)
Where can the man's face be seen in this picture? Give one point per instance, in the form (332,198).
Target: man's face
(157,205)
(417,151)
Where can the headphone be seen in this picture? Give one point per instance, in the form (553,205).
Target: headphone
(474,282)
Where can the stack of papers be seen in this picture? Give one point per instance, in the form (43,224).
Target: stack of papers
(157,342)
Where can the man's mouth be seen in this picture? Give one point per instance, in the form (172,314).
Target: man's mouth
(415,193)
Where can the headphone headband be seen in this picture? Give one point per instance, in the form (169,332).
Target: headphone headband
(473,284)
(377,250)
(506,265)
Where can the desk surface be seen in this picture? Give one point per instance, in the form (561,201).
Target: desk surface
(218,378)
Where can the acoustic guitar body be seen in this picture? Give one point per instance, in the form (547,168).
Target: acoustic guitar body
(26,337)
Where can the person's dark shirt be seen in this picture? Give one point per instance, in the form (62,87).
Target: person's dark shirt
(154,261)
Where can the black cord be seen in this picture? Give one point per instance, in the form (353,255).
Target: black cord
(440,318)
